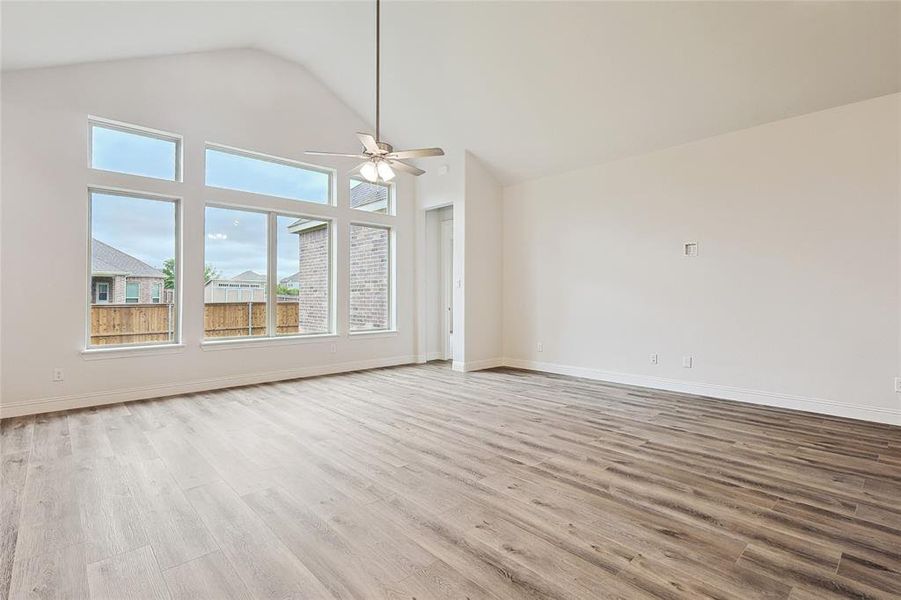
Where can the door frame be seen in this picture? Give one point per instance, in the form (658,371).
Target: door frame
(447,288)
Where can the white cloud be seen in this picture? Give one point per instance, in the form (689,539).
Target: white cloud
(217,236)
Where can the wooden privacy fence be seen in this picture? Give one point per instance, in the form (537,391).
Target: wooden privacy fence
(149,323)
(130,323)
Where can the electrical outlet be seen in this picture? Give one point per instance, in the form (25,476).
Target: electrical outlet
(333,348)
(654,360)
(686,362)
(540,347)
(57,374)
(898,384)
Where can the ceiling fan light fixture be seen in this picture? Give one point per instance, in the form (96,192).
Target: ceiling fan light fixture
(370,172)
(380,156)
(385,171)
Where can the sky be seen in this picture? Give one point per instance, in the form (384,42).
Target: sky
(235,240)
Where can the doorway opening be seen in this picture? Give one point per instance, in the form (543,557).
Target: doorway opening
(439,283)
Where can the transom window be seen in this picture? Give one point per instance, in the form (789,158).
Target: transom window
(135,151)
(270,176)
(372,197)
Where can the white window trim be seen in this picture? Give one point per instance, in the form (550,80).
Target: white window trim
(137,130)
(107,352)
(331,173)
(177,295)
(212,344)
(392,316)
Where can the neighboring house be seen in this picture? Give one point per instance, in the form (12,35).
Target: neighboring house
(292,282)
(120,278)
(248,286)
(371,197)
(369,294)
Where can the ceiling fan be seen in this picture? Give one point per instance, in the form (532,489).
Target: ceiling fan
(380,157)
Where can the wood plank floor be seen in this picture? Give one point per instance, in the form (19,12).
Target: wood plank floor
(419,482)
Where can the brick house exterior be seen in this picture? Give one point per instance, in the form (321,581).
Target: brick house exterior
(369,278)
(312,280)
(369,267)
(113,270)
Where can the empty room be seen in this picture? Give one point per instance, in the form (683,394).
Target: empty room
(432,300)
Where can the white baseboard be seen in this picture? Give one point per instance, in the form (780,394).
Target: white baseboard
(29,407)
(817,405)
(477,365)
(829,407)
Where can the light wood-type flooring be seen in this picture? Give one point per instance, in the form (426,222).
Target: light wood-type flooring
(419,482)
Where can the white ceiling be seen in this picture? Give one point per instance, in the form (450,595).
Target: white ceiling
(532,88)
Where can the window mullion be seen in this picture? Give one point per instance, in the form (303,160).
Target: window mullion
(271,276)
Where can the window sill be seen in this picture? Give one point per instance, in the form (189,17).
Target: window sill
(130,351)
(262,342)
(375,333)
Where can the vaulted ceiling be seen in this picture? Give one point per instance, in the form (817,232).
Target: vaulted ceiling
(532,88)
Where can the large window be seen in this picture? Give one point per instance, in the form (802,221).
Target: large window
(236,273)
(372,197)
(304,276)
(135,151)
(370,278)
(259,174)
(133,249)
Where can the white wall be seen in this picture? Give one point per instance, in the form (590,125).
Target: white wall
(245,99)
(793,300)
(442,185)
(484,254)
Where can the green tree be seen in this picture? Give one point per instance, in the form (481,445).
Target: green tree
(209,273)
(284,290)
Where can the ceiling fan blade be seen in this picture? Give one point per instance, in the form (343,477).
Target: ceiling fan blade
(318,153)
(369,143)
(405,167)
(417,153)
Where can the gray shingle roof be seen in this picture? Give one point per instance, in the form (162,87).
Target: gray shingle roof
(249,276)
(361,194)
(107,260)
(291,278)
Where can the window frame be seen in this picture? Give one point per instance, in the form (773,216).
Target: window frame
(268,229)
(141,131)
(392,304)
(105,285)
(392,203)
(137,298)
(176,311)
(252,154)
(332,275)
(159,293)
(271,288)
